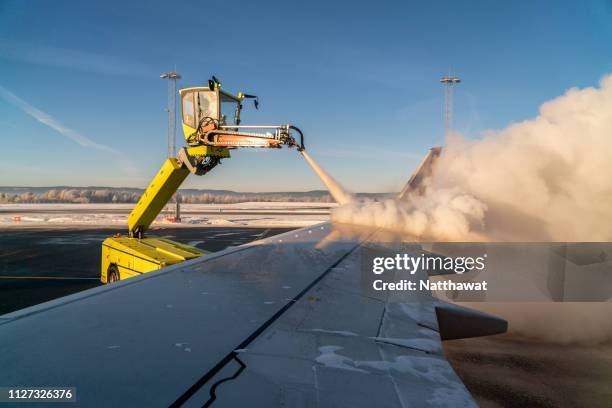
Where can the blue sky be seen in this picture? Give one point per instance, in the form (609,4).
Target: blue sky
(81,102)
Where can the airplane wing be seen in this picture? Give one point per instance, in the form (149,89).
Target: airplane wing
(280,322)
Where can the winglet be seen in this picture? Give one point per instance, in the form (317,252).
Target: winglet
(457,322)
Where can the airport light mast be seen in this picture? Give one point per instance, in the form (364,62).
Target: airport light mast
(171,109)
(448,82)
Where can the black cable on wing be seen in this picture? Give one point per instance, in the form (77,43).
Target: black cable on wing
(230,356)
(213,389)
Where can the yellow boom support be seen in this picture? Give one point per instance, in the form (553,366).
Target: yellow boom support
(158,193)
(125,257)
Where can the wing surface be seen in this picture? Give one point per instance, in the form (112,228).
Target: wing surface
(280,322)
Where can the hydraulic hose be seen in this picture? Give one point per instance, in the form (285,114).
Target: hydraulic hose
(301,146)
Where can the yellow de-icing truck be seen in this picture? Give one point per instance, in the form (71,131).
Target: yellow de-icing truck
(211,125)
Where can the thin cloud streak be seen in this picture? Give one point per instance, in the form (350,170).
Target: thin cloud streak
(49,121)
(46,119)
(65,58)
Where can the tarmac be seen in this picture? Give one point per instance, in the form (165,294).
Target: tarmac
(37,265)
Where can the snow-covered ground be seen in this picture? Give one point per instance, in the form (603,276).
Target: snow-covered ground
(251,214)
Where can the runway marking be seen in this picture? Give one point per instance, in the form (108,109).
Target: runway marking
(48,277)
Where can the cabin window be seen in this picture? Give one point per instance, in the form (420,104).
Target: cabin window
(188,110)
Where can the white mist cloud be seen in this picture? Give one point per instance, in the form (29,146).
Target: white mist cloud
(544,179)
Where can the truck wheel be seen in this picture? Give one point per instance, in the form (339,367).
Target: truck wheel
(112,275)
